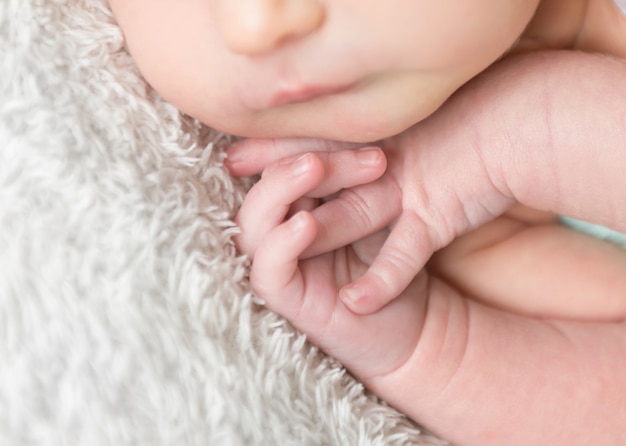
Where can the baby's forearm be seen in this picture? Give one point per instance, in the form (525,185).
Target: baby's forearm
(543,270)
(550,132)
(483,377)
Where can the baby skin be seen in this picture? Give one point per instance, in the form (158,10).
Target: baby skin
(479,364)
(512,334)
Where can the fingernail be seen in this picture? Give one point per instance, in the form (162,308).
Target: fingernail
(300,164)
(369,157)
(350,295)
(296,222)
(233,156)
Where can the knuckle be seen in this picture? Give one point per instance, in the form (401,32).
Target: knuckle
(398,263)
(357,208)
(327,145)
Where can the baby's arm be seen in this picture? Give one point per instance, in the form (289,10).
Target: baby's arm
(540,269)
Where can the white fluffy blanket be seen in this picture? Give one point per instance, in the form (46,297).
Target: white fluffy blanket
(125,316)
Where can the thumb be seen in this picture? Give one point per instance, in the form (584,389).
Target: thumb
(401,258)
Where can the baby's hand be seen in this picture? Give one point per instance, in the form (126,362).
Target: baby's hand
(353,214)
(425,202)
(306,291)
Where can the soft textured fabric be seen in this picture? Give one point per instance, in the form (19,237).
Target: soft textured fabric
(125,316)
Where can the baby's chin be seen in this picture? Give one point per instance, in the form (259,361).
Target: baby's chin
(367,127)
(371,113)
(338,121)
(364,130)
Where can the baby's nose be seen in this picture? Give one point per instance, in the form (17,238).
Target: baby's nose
(258,26)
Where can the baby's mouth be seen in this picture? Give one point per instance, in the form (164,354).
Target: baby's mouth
(305,93)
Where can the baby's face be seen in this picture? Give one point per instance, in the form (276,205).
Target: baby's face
(356,70)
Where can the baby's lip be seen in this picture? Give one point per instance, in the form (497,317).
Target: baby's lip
(305,93)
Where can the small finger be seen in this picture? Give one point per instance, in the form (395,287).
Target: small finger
(251,156)
(343,169)
(354,214)
(269,201)
(274,275)
(349,168)
(403,255)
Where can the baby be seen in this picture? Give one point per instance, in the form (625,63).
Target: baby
(513,334)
